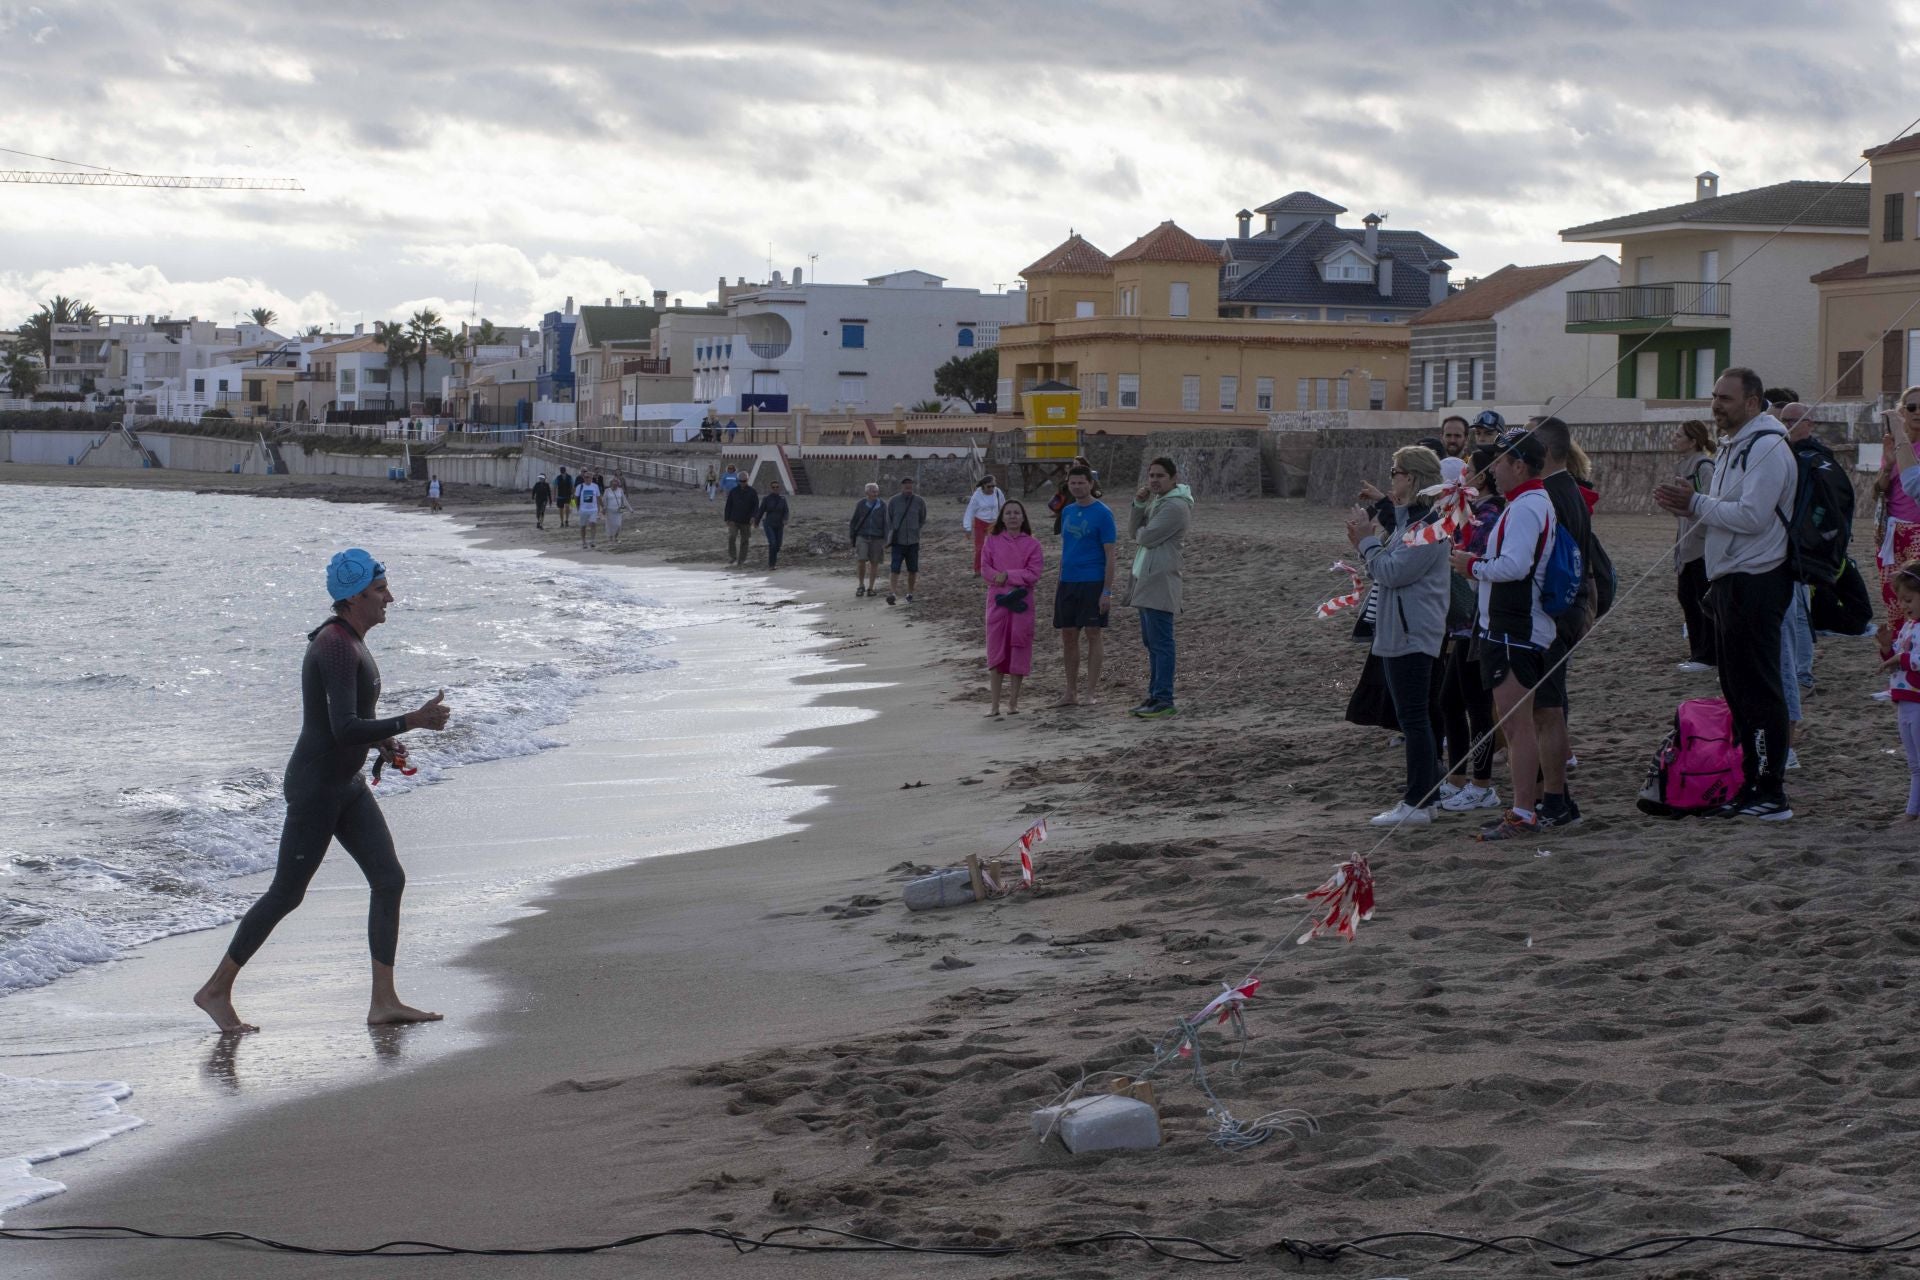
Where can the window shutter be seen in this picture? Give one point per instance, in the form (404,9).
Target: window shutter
(1893,370)
(1893,222)
(1849,382)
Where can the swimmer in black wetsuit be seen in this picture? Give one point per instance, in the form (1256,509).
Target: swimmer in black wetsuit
(328,798)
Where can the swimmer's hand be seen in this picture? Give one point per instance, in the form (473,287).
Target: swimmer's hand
(431,714)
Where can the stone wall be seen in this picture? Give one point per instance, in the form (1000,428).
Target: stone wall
(1218,464)
(848,477)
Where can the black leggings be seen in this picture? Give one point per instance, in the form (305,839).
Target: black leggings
(353,817)
(1466,711)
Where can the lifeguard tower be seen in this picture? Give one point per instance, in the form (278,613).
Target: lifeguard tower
(1051,439)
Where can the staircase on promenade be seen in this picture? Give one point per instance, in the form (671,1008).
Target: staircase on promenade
(545,446)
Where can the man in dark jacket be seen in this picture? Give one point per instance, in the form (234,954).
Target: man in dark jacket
(906,516)
(1557,806)
(772,517)
(742,503)
(542,495)
(868,532)
(563,494)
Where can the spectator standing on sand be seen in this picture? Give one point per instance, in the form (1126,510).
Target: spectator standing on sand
(1466,705)
(1745,514)
(771,516)
(563,494)
(729,480)
(588,496)
(1453,436)
(1011,563)
(742,503)
(433,492)
(616,505)
(542,495)
(983,508)
(1898,492)
(868,533)
(1695,440)
(713,482)
(1900,658)
(1084,597)
(1410,624)
(1485,428)
(1162,512)
(1514,630)
(906,517)
(1571,511)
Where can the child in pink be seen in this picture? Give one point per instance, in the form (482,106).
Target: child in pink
(1900,657)
(1899,491)
(1010,558)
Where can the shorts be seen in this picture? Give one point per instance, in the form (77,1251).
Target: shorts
(1077,605)
(589,515)
(870,550)
(1498,660)
(1551,692)
(907,553)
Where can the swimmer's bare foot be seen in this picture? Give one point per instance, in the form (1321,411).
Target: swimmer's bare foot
(387,1015)
(1068,701)
(219,1007)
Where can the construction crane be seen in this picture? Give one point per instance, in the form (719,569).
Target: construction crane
(148,180)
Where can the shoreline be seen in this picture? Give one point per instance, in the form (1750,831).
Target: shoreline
(1638,1026)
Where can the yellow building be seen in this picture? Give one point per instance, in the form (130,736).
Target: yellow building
(1141,333)
(1870,306)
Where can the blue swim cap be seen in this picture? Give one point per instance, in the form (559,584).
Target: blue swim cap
(351,572)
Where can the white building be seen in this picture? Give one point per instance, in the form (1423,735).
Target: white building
(862,348)
(1504,339)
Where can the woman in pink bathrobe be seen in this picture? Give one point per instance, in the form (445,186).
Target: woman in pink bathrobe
(1010,558)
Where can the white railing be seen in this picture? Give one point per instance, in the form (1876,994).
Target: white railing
(574,455)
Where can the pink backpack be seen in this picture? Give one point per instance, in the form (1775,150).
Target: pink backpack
(1698,767)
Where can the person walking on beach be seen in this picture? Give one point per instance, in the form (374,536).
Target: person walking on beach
(906,517)
(328,797)
(588,496)
(542,495)
(1514,629)
(713,481)
(1162,511)
(1011,563)
(563,494)
(1083,599)
(1690,550)
(983,508)
(868,532)
(1746,516)
(433,493)
(771,516)
(729,479)
(738,512)
(616,505)
(1410,623)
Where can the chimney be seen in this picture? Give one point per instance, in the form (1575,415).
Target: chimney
(660,298)
(569,304)
(796,277)
(1706,186)
(739,281)
(1246,222)
(777,279)
(1372,223)
(1437,282)
(606,302)
(1384,274)
(676,302)
(359,330)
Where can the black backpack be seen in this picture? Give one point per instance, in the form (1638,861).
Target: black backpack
(1822,520)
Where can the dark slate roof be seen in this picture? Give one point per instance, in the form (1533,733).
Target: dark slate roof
(1285,272)
(1301,202)
(1815,204)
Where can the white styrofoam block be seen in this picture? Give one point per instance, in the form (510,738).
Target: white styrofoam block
(947,888)
(1108,1122)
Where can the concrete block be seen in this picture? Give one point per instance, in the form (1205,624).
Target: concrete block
(947,888)
(1102,1122)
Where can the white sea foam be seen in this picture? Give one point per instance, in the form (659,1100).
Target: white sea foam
(42,1120)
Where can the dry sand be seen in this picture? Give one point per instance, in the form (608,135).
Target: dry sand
(1633,1027)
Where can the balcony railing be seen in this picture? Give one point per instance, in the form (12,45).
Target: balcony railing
(1662,301)
(768,350)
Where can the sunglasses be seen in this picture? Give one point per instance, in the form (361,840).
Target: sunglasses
(1911,407)
(1398,472)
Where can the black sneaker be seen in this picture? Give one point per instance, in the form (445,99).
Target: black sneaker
(1559,814)
(1156,711)
(1732,808)
(1767,808)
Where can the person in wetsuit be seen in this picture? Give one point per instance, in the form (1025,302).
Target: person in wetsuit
(327,795)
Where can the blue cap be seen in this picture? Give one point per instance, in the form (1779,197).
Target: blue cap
(351,572)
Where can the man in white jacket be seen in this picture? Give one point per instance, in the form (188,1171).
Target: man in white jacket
(1745,514)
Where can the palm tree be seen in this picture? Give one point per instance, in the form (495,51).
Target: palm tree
(313,331)
(263,317)
(23,376)
(393,336)
(423,331)
(37,332)
(484,335)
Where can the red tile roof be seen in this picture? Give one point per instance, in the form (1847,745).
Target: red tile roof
(1484,299)
(1909,143)
(1851,269)
(1074,256)
(1167,243)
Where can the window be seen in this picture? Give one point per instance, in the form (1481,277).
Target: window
(1099,390)
(965,337)
(853,388)
(346,382)
(1479,387)
(853,335)
(1232,271)
(1850,382)
(1129,390)
(1340,393)
(1892,367)
(1429,375)
(1704,360)
(1643,270)
(1177,298)
(1126,301)
(377,377)
(1348,268)
(1893,222)
(1323,393)
(199,386)
(1190,392)
(1263,394)
(1229,394)
(1456,370)
(1306,394)
(1377,393)
(1083,310)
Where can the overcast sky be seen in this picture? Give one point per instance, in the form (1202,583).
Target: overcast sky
(535,150)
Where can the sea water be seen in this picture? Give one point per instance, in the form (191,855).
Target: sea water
(149,678)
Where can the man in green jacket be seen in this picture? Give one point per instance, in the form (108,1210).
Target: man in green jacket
(1162,510)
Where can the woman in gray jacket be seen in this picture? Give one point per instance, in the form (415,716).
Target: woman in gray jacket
(1162,512)
(1410,623)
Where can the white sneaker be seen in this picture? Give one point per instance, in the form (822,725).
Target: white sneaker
(1447,792)
(1402,814)
(1693,668)
(1793,758)
(1885,695)
(1472,796)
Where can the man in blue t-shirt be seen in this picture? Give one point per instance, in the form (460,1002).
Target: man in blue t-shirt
(1085,595)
